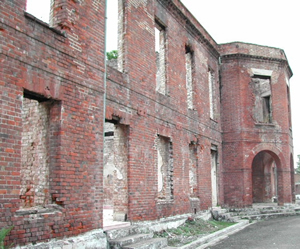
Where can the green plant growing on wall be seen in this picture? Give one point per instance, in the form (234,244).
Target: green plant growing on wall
(3,233)
(112,55)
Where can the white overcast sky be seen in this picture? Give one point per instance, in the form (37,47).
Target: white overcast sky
(265,22)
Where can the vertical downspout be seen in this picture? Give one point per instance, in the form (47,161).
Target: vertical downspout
(105,67)
(104,102)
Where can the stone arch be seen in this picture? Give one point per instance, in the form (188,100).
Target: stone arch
(265,147)
(271,170)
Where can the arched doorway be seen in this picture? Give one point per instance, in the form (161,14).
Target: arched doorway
(264,177)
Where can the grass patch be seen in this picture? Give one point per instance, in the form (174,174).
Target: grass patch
(191,230)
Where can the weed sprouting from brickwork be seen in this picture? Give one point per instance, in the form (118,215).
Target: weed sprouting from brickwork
(3,233)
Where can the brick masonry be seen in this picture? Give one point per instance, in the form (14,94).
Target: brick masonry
(60,70)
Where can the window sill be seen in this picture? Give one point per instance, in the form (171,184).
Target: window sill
(162,94)
(51,208)
(265,124)
(165,201)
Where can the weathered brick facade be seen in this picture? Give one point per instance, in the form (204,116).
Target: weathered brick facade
(188,124)
(245,132)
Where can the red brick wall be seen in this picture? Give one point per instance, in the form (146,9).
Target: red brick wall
(64,65)
(151,113)
(243,137)
(66,70)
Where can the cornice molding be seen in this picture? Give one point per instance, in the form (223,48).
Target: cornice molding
(283,62)
(189,26)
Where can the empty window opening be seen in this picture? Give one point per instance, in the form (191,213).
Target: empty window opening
(266,105)
(193,176)
(40,9)
(165,167)
(189,76)
(212,94)
(263,100)
(115,172)
(160,51)
(114,34)
(40,123)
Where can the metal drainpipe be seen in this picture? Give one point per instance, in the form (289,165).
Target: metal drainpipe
(105,67)
(104,99)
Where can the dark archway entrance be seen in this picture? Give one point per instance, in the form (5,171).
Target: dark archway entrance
(264,177)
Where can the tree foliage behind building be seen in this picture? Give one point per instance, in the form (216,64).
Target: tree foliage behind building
(112,54)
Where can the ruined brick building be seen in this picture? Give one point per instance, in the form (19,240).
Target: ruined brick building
(181,125)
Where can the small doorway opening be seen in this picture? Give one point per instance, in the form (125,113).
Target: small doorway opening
(214,179)
(115,181)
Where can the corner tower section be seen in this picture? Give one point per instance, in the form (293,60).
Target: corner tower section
(257,133)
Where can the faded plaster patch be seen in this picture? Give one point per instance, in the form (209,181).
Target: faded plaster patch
(115,168)
(161,62)
(189,79)
(160,173)
(35,156)
(192,179)
(192,171)
(111,169)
